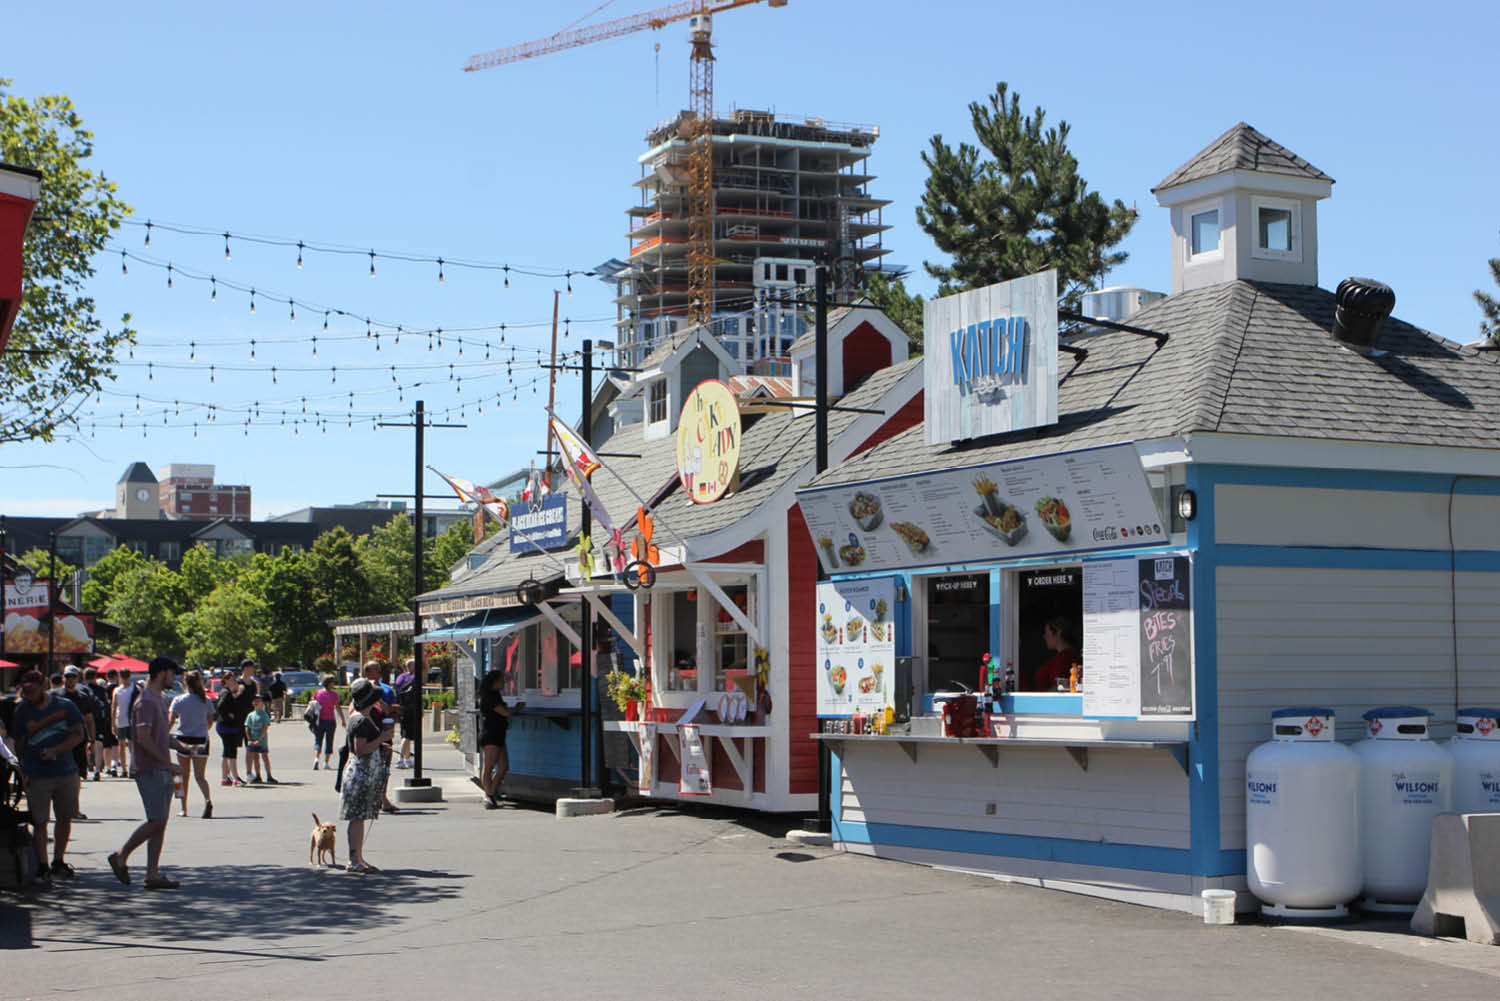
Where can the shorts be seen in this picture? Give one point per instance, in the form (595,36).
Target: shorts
(122,732)
(492,739)
(408,727)
(232,741)
(60,793)
(155,787)
(198,744)
(108,739)
(81,758)
(261,748)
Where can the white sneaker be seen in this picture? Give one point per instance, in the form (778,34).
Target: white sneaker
(403,762)
(315,764)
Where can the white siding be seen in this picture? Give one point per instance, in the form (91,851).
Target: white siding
(1350,640)
(1381,519)
(1127,796)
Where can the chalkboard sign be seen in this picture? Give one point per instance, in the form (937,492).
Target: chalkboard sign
(1166,637)
(1138,638)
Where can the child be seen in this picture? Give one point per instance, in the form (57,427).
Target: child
(257,742)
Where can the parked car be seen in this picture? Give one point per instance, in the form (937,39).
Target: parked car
(298,682)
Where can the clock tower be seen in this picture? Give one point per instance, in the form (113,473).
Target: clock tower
(136,493)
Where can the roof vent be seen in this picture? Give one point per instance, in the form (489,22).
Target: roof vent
(1363,305)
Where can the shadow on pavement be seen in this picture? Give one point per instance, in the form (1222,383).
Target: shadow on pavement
(267,902)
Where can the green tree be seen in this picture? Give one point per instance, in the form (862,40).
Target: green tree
(385,557)
(68,353)
(1489,306)
(99,588)
(202,572)
(146,601)
(450,547)
(1022,210)
(336,586)
(230,624)
(39,562)
(297,632)
(901,306)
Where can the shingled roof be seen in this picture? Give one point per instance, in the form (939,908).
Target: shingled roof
(1251,358)
(1242,148)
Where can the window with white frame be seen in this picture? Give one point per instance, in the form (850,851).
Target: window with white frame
(1204,232)
(656,410)
(731,644)
(680,631)
(1278,228)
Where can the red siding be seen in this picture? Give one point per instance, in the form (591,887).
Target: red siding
(865,350)
(802,714)
(908,416)
(753,551)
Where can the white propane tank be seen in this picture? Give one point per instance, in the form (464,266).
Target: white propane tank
(1476,761)
(1405,781)
(1302,818)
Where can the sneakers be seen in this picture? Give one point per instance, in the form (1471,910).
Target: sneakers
(403,762)
(271,780)
(96,776)
(255,780)
(315,764)
(61,869)
(240,782)
(226,782)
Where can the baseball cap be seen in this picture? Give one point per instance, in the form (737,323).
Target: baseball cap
(72,671)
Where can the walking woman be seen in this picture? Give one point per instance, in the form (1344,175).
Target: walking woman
(494,720)
(231,730)
(328,704)
(364,779)
(191,713)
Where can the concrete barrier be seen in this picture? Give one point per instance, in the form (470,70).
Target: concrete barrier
(584,807)
(1463,879)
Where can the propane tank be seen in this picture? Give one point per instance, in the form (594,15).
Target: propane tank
(1406,779)
(1476,761)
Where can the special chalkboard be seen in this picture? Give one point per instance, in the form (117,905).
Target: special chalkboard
(1166,636)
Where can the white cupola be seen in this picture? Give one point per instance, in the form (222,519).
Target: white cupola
(1244,208)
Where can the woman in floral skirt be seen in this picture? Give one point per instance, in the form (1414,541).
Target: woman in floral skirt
(365,776)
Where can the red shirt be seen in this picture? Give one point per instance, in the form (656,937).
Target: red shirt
(1045,677)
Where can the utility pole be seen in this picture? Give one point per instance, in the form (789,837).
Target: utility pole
(820,432)
(587,750)
(419,536)
(52,601)
(551,394)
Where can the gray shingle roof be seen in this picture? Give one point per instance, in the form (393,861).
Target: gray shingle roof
(1241,148)
(1251,358)
(138,472)
(775,449)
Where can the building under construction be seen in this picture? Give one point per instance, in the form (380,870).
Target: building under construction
(786,192)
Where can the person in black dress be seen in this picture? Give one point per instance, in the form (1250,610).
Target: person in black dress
(494,720)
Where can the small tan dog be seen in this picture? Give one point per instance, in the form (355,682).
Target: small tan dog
(324,839)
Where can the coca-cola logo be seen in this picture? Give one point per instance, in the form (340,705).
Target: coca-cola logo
(1374,727)
(1485,725)
(1314,725)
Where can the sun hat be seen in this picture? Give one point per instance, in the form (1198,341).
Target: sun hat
(364,693)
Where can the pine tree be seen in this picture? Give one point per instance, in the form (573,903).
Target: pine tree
(1490,306)
(1022,210)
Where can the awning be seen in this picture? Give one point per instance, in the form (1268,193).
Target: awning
(487,624)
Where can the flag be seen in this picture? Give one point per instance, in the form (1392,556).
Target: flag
(578,462)
(471,493)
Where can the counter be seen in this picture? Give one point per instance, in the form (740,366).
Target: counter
(735,755)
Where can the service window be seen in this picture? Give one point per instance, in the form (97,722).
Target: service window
(680,631)
(1049,627)
(731,645)
(958,629)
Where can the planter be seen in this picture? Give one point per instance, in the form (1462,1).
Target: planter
(632,711)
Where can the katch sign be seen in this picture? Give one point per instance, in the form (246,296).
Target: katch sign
(991,359)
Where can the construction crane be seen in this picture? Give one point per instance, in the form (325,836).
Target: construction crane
(697,130)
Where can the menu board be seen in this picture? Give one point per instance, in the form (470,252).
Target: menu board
(855,646)
(1137,638)
(1066,503)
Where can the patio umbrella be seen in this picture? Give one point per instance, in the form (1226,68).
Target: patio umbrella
(102,663)
(7,663)
(122,663)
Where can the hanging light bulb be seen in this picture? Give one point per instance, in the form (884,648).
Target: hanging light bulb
(210,374)
(148,232)
(570,283)
(372,264)
(123,269)
(252,349)
(273,375)
(335,371)
(440,270)
(195,430)
(315,345)
(252,300)
(299,255)
(398,334)
(150,376)
(325,319)
(293,310)
(137,402)
(502,333)
(226,245)
(507,276)
(429,340)
(213,289)
(440,338)
(169,276)
(377,342)
(192,350)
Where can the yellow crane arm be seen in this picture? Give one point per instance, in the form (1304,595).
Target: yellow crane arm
(605,29)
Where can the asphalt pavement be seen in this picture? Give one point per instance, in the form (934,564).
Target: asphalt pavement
(649,902)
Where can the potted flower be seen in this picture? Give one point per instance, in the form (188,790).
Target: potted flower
(627,691)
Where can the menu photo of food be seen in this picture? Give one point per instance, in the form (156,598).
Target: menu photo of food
(828,629)
(853,554)
(916,540)
(854,630)
(837,677)
(825,543)
(878,625)
(865,509)
(1054,514)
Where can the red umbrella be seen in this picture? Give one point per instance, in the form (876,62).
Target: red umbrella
(102,663)
(6,663)
(123,663)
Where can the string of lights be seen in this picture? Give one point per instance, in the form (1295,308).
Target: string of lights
(305,247)
(374,329)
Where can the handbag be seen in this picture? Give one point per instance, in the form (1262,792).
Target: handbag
(338,775)
(312,713)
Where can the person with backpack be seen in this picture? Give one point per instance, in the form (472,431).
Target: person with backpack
(103,735)
(278,697)
(231,729)
(46,728)
(81,697)
(409,702)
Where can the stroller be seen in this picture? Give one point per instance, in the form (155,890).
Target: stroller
(17,860)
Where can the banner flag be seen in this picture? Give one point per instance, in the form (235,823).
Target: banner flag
(578,462)
(471,493)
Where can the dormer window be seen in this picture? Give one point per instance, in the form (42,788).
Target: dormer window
(1205,232)
(1278,228)
(656,409)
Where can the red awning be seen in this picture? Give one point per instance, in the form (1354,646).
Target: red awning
(6,663)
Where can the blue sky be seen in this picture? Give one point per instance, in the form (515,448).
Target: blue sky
(353,125)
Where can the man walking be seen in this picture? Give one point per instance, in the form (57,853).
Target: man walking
(103,734)
(81,697)
(119,700)
(154,769)
(46,729)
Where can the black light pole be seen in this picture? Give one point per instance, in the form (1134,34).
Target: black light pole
(51,600)
(420,535)
(586,625)
(820,432)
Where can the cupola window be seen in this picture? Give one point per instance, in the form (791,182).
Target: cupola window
(1205,231)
